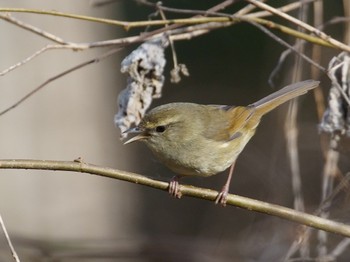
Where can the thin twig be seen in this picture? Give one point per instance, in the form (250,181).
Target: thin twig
(171,42)
(31,57)
(326,40)
(202,193)
(182,34)
(212,11)
(7,17)
(81,65)
(339,249)
(343,184)
(185,33)
(188,21)
(316,56)
(62,14)
(285,9)
(290,47)
(318,92)
(182,11)
(297,22)
(301,243)
(253,17)
(292,141)
(13,251)
(291,134)
(246,10)
(330,169)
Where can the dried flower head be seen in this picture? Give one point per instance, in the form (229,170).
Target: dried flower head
(145,67)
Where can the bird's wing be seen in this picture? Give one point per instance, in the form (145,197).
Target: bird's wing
(227,122)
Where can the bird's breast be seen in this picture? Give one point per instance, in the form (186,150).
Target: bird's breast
(201,157)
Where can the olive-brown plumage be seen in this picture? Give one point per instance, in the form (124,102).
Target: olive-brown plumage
(203,140)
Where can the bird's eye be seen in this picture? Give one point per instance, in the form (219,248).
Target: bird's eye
(160,129)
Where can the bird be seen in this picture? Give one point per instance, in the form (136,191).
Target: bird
(203,140)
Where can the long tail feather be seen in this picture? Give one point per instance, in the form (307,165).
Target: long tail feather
(270,102)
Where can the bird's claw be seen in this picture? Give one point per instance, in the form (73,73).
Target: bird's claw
(174,187)
(222,197)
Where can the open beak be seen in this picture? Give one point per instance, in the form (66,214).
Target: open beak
(136,130)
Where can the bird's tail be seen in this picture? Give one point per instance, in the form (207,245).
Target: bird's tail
(270,102)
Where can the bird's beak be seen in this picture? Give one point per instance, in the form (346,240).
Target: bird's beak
(136,130)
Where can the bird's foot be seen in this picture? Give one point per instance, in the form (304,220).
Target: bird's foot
(222,197)
(174,187)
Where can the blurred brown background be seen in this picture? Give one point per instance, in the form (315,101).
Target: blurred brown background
(77,217)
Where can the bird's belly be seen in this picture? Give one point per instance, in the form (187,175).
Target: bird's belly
(197,163)
(197,159)
(207,167)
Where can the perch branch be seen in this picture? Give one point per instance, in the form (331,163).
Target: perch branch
(186,190)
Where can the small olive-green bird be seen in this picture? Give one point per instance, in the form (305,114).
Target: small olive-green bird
(203,140)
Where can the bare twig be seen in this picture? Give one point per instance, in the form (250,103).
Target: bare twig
(175,34)
(202,193)
(343,184)
(13,251)
(7,17)
(291,134)
(183,11)
(285,9)
(300,23)
(212,11)
(330,169)
(178,69)
(187,21)
(62,14)
(339,249)
(290,47)
(95,60)
(318,92)
(31,57)
(316,56)
(326,40)
(121,42)
(245,11)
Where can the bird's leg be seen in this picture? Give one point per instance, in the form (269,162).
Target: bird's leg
(174,187)
(222,196)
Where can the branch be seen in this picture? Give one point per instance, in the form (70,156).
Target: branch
(61,14)
(31,57)
(7,17)
(300,23)
(322,38)
(48,81)
(13,251)
(186,190)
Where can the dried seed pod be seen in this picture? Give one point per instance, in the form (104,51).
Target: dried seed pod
(145,67)
(336,119)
